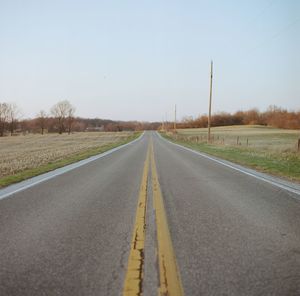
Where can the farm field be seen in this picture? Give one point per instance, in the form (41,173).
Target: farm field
(26,156)
(263,148)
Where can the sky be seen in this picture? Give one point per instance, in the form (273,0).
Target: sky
(134,60)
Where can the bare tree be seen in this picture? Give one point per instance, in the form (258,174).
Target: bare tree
(13,115)
(42,120)
(4,112)
(59,111)
(71,118)
(63,111)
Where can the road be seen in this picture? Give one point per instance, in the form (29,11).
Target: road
(150,215)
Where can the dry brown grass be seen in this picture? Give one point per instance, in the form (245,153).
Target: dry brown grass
(270,150)
(260,138)
(21,153)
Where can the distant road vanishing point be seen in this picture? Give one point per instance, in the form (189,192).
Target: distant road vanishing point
(150,218)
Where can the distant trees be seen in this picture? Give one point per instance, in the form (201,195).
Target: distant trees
(70,118)
(4,113)
(61,118)
(13,116)
(273,116)
(9,115)
(278,117)
(42,121)
(63,112)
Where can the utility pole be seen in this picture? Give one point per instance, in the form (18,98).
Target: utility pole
(175,119)
(210,98)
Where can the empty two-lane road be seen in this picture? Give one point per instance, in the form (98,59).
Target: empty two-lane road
(233,234)
(77,233)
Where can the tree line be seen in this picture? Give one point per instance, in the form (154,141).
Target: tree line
(274,116)
(61,119)
(62,116)
(9,114)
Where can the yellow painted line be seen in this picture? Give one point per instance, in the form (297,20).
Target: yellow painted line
(169,277)
(134,276)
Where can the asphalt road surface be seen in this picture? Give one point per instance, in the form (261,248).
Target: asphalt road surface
(202,229)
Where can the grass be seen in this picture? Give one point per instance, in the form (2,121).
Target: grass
(269,150)
(57,160)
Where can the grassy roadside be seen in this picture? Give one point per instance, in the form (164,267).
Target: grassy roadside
(26,174)
(286,165)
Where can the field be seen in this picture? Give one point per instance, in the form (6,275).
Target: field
(266,149)
(30,155)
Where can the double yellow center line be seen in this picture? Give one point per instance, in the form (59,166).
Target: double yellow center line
(135,270)
(169,278)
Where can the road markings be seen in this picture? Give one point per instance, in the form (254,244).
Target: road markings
(293,188)
(26,184)
(133,284)
(169,277)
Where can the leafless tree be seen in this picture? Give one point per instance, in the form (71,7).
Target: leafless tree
(42,120)
(13,116)
(4,113)
(71,118)
(63,111)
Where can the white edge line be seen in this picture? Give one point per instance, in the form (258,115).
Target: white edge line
(61,170)
(287,188)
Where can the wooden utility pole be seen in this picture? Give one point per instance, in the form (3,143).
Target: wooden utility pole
(175,119)
(210,98)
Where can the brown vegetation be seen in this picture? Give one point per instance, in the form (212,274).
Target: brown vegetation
(62,119)
(33,151)
(9,114)
(273,116)
(268,149)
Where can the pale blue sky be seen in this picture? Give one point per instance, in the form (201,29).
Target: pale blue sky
(136,59)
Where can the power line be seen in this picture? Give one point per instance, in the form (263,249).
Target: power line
(248,24)
(264,10)
(275,36)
